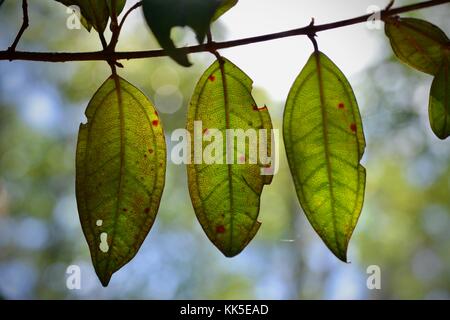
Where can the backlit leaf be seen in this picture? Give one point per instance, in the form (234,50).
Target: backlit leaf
(417,43)
(226,194)
(163,15)
(95,13)
(324,142)
(439,109)
(120,174)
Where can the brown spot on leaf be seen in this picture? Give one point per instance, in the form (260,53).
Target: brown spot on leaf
(147,210)
(212,78)
(341,105)
(353,127)
(125,209)
(150,151)
(255,108)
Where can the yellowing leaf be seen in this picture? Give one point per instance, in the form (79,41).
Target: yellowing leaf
(417,43)
(226,194)
(120,174)
(439,109)
(324,142)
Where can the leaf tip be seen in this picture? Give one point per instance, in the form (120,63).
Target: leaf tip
(339,252)
(342,255)
(230,250)
(104,277)
(441,136)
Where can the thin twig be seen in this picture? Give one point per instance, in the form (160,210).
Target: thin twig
(312,36)
(390,4)
(210,44)
(108,55)
(115,29)
(24,26)
(136,5)
(103,40)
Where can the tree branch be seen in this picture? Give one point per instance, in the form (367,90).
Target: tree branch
(208,47)
(24,26)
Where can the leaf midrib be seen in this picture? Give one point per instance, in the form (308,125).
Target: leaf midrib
(122,166)
(230,168)
(326,144)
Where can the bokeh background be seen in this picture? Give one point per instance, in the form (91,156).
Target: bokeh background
(404,227)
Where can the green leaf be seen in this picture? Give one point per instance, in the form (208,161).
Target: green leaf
(94,13)
(324,141)
(417,43)
(439,109)
(163,15)
(120,174)
(226,194)
(224,7)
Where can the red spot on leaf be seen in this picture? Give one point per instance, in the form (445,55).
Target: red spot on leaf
(155,123)
(147,210)
(156,113)
(212,78)
(341,105)
(353,127)
(220,229)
